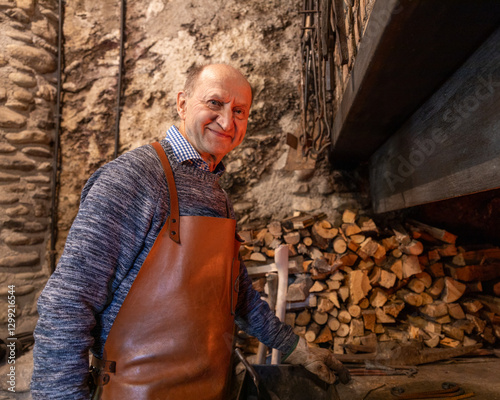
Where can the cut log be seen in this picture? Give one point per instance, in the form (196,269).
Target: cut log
(319,317)
(472,306)
(344,293)
(359,285)
(378,297)
(333,323)
(357,327)
(299,290)
(387,279)
(425,278)
(338,345)
(369,247)
(449,342)
(394,308)
(366,265)
(343,330)
(358,239)
(416,285)
(436,233)
(374,275)
(471,273)
(354,310)
(368,225)
(447,250)
(479,324)
(364,303)
(344,316)
(414,248)
(433,256)
(397,268)
(325,335)
(435,310)
(433,341)
(318,287)
(436,270)
(390,243)
(333,285)
(453,332)
(351,229)
(369,319)
(312,332)
(426,298)
(453,290)
(324,305)
(456,311)
(292,238)
(331,296)
(437,288)
(339,245)
(349,217)
(410,298)
(348,259)
(274,228)
(411,266)
(303,318)
(258,257)
(307,241)
(382,317)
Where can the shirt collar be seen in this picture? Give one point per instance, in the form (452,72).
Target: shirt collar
(185,153)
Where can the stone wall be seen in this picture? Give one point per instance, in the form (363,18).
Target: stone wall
(27,106)
(163,40)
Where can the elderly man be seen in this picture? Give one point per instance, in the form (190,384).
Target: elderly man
(149,280)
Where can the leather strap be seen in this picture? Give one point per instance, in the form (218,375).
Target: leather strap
(173,220)
(102,365)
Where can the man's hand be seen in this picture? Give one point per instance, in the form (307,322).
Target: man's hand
(320,362)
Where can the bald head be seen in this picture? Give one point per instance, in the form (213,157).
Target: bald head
(223,69)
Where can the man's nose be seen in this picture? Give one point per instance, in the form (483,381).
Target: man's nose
(225,118)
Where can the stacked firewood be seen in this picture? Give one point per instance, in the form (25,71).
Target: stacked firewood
(351,281)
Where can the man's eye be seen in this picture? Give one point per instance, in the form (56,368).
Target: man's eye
(214,103)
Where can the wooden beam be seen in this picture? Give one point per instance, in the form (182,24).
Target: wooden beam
(451,146)
(408,49)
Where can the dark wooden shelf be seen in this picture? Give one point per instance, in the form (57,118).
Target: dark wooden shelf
(408,51)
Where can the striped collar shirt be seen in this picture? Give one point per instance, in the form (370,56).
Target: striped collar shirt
(185,153)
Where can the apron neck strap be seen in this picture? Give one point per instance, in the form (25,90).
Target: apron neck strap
(173,220)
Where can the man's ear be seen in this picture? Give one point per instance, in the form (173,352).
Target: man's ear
(181,104)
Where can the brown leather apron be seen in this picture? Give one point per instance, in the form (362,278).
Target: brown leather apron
(172,338)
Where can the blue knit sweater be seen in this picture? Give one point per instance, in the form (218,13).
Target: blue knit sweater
(123,207)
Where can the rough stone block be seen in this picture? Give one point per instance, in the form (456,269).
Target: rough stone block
(16,164)
(22,79)
(28,136)
(38,59)
(45,30)
(7,148)
(8,198)
(20,260)
(11,119)
(17,211)
(23,95)
(8,178)
(37,152)
(38,179)
(15,238)
(34,227)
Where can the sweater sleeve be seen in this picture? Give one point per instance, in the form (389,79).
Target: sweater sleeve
(117,206)
(254,316)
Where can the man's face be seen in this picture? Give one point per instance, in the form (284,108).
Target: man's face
(215,115)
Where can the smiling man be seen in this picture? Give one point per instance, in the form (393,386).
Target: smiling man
(150,282)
